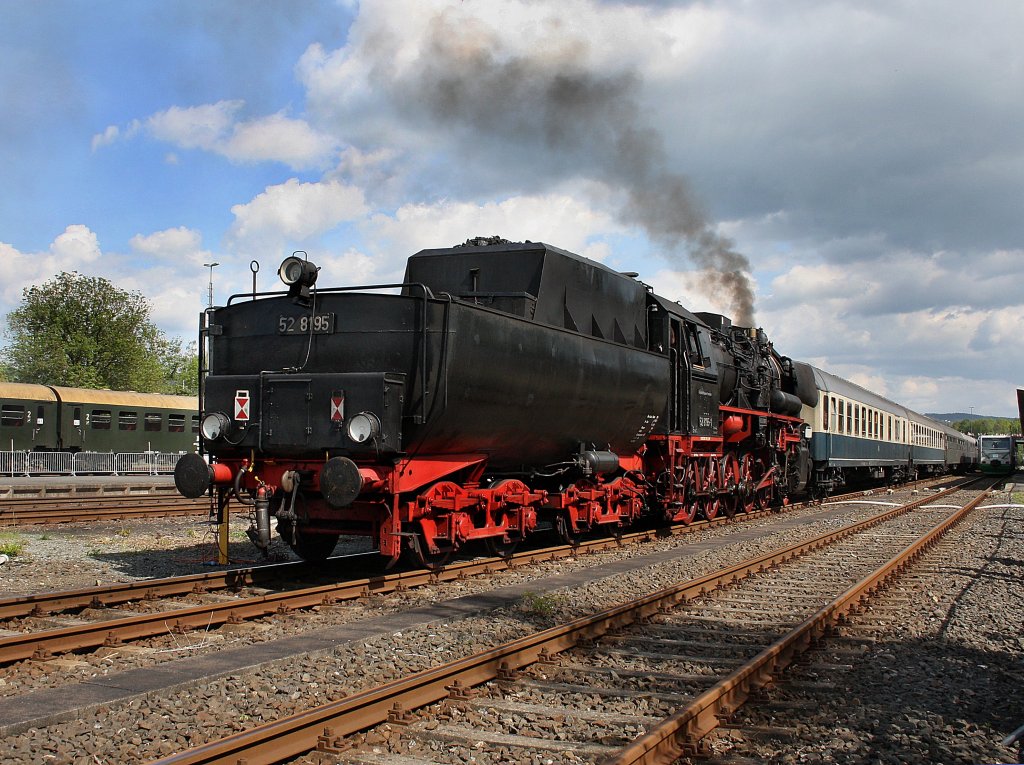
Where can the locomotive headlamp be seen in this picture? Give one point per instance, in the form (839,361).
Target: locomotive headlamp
(214,425)
(362,427)
(298,274)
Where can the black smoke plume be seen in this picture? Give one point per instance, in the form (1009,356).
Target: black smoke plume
(549,102)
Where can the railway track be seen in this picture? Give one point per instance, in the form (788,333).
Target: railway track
(109,615)
(583,691)
(98,503)
(45,625)
(46,510)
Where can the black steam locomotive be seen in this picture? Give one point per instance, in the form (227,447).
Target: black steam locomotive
(501,389)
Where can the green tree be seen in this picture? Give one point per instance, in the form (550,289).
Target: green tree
(181,369)
(987,426)
(83,331)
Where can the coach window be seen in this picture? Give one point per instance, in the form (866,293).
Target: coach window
(128,420)
(154,422)
(40,415)
(12,416)
(824,414)
(101,419)
(863,420)
(833,414)
(176,423)
(842,417)
(195,423)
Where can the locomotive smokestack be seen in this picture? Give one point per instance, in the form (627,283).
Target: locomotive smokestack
(547,103)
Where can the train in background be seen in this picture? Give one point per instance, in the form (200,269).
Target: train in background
(44,420)
(859,435)
(505,389)
(997,455)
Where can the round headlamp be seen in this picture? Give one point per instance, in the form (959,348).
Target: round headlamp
(362,427)
(214,425)
(295,270)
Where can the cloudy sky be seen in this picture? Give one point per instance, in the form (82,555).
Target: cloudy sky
(850,175)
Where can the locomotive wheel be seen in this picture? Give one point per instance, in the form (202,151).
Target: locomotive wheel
(731,481)
(685,513)
(500,548)
(564,527)
(746,496)
(710,507)
(308,546)
(753,470)
(424,557)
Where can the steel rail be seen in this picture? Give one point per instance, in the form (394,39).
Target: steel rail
(679,734)
(324,727)
(41,645)
(53,510)
(44,644)
(45,603)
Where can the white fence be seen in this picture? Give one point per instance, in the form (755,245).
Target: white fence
(79,463)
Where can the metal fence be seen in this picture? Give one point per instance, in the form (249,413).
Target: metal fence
(79,463)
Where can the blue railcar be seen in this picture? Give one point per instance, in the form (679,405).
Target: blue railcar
(858,434)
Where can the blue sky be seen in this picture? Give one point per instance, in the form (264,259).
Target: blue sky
(860,164)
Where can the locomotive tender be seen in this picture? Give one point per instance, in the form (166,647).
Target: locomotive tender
(501,389)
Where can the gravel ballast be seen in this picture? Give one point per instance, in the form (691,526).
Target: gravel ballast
(161,723)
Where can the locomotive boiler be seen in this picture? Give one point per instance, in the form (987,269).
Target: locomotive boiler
(501,389)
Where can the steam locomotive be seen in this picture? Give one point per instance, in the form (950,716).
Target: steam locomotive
(500,390)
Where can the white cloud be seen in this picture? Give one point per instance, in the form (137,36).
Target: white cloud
(75,249)
(195,127)
(107,137)
(563,219)
(172,246)
(281,139)
(216,128)
(77,245)
(296,211)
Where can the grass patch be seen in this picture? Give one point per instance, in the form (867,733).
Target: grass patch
(11,545)
(539,604)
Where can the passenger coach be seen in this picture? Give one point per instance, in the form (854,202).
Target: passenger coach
(38,418)
(858,434)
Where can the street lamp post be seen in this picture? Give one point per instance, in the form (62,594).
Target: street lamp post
(211,267)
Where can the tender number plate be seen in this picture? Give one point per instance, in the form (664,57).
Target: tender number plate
(321,324)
